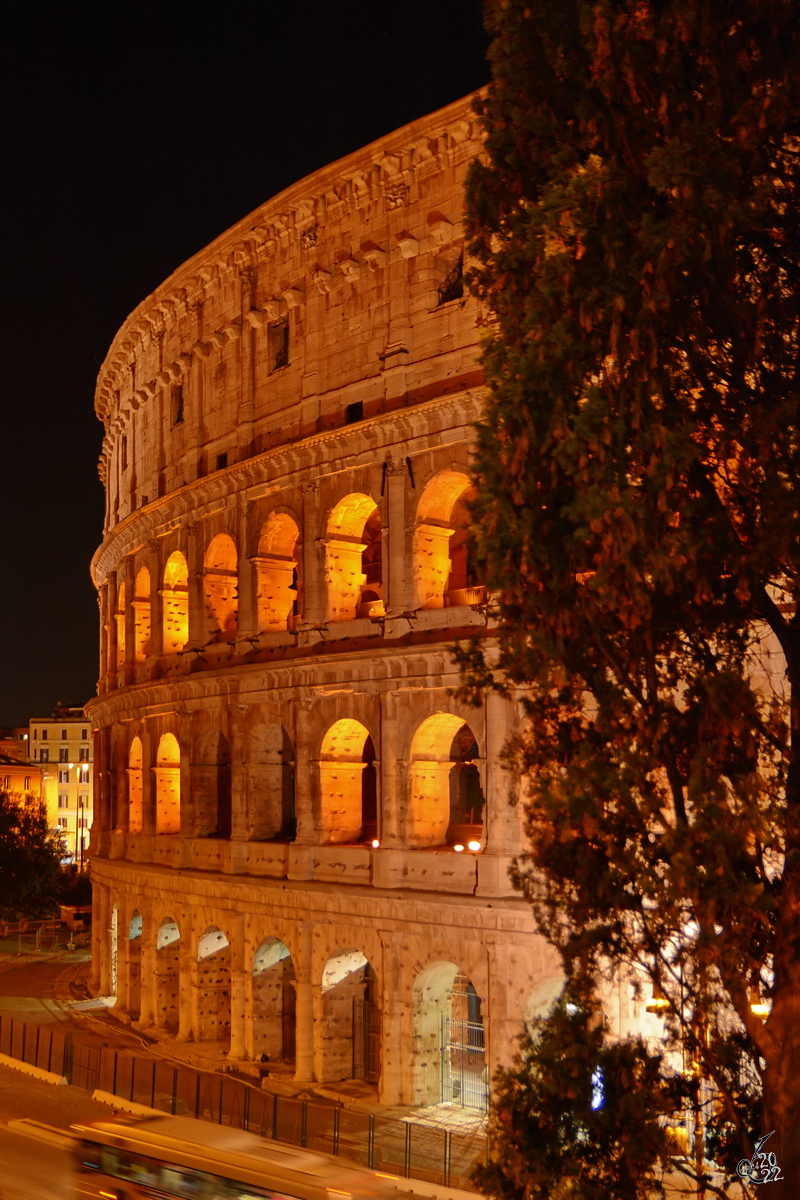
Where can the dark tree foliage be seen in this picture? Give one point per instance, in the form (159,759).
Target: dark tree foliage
(30,857)
(635,227)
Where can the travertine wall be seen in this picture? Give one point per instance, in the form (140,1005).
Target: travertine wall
(288,790)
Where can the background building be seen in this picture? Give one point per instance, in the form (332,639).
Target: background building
(18,776)
(302,839)
(61,746)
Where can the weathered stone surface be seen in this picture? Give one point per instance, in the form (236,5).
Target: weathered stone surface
(287,787)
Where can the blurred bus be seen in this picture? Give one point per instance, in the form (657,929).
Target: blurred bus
(161,1157)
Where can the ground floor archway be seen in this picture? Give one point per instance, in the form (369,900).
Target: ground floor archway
(349,1045)
(274,1003)
(213,987)
(449,1042)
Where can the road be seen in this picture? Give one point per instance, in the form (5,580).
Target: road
(31,1169)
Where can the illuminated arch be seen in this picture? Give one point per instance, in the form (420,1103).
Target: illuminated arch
(168,785)
(176,603)
(353,550)
(440,566)
(277,567)
(220,586)
(446,799)
(141,608)
(348,808)
(135,786)
(119,617)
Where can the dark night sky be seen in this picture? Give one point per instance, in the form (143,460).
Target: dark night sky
(133,135)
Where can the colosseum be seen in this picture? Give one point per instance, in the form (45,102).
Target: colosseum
(302,839)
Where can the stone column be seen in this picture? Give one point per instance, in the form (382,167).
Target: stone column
(156,568)
(102,604)
(502,816)
(188,983)
(147,1002)
(197,608)
(240,816)
(100,941)
(111,641)
(303,789)
(248,617)
(129,667)
(393,1045)
(313,582)
(390,800)
(149,749)
(238,968)
(395,592)
(304,1008)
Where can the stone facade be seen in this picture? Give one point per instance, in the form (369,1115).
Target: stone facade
(302,839)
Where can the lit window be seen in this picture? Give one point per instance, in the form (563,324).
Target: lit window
(63,822)
(84,824)
(7,783)
(83,775)
(84,754)
(83,801)
(84,735)
(63,776)
(63,735)
(62,755)
(27,783)
(35,734)
(44,735)
(45,756)
(63,800)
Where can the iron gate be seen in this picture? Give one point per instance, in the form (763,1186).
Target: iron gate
(463,1064)
(366,1041)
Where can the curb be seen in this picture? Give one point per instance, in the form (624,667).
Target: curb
(42,1133)
(128,1106)
(29,1069)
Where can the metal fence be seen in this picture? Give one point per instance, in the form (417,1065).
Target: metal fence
(404,1148)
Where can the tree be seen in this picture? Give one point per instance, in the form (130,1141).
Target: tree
(635,229)
(30,856)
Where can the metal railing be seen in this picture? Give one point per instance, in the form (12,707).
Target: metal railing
(410,1149)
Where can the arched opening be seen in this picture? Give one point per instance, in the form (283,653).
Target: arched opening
(119,617)
(167,975)
(443,575)
(135,965)
(277,565)
(135,786)
(446,806)
(465,824)
(211,783)
(350,1029)
(175,595)
(271,761)
(114,947)
(353,570)
(273,1002)
(348,784)
(448,1039)
(220,585)
(168,785)
(213,987)
(141,607)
